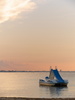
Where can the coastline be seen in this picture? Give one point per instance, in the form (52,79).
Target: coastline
(23,98)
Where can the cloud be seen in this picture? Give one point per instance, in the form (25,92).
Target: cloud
(12,65)
(10,9)
(3,64)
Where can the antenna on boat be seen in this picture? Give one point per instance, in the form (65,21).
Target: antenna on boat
(50,67)
(55,67)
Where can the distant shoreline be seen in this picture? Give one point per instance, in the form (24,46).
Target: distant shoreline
(21,71)
(30,71)
(22,98)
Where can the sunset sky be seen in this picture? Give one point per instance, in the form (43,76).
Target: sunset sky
(37,34)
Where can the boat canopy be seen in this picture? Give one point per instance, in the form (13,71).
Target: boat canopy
(55,73)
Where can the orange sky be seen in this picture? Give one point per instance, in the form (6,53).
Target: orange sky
(37,34)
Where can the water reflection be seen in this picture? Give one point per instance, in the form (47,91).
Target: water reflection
(54,91)
(57,90)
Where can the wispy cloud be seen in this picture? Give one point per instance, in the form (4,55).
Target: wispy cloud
(9,65)
(3,64)
(10,9)
(12,65)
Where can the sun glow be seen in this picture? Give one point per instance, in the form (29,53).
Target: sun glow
(11,9)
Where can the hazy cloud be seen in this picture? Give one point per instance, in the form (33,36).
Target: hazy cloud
(11,65)
(9,9)
(4,64)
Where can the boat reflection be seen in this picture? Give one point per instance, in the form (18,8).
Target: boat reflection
(54,91)
(57,91)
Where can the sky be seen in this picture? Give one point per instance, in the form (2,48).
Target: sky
(37,34)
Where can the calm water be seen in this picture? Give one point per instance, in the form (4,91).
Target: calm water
(26,84)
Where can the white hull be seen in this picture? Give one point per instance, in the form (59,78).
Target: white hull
(46,84)
(52,83)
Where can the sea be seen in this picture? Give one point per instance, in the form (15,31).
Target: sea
(26,84)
